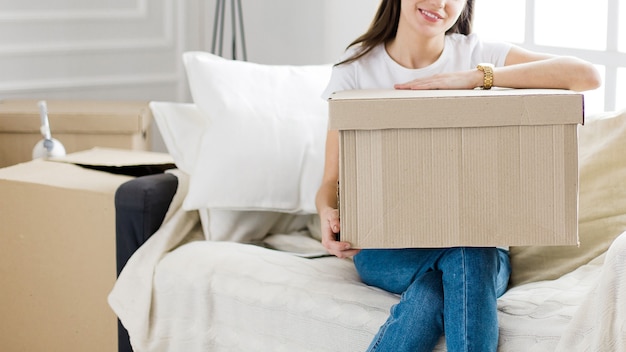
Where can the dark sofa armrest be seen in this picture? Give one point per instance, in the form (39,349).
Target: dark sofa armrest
(140,207)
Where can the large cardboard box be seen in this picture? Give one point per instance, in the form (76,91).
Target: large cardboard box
(458,168)
(57,251)
(78,125)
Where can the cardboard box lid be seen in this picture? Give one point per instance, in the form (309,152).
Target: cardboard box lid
(113,157)
(120,161)
(386,109)
(76,116)
(71,170)
(62,175)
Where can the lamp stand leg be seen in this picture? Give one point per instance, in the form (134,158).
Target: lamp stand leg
(218,28)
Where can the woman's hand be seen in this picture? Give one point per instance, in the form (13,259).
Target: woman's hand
(326,201)
(330,227)
(455,80)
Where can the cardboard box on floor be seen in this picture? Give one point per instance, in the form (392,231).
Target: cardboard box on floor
(57,250)
(458,168)
(77,124)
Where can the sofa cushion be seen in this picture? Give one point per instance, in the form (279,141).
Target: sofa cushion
(251,226)
(264,149)
(602,203)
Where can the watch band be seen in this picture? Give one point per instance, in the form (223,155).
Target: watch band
(487,70)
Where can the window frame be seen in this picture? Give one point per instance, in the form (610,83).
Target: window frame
(610,58)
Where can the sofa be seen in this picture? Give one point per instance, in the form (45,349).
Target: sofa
(223,253)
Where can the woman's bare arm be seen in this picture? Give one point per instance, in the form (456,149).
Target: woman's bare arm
(523,69)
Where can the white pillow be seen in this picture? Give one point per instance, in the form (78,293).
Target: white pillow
(181,126)
(264,148)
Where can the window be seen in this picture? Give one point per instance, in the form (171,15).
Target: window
(594,31)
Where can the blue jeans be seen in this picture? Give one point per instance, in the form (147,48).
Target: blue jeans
(451,290)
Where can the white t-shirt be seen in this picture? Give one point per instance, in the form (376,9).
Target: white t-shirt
(377,70)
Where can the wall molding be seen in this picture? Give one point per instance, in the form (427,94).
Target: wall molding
(32,86)
(139,11)
(81,47)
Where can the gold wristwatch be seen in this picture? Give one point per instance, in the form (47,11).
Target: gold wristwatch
(487,70)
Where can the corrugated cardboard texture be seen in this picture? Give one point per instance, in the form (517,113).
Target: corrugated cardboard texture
(458,186)
(78,125)
(57,257)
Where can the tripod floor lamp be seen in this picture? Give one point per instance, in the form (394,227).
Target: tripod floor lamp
(237,28)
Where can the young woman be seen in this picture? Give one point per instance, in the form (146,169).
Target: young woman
(426,44)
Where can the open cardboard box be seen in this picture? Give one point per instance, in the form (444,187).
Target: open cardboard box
(458,168)
(77,124)
(57,249)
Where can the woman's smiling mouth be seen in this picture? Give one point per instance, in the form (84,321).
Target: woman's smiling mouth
(431,16)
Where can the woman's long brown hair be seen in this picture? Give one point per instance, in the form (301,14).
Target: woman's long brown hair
(385,25)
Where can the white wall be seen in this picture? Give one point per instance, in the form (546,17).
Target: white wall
(125,49)
(345,21)
(96,49)
(304,32)
(131,49)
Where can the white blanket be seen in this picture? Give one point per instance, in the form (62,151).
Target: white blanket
(131,297)
(181,293)
(600,322)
